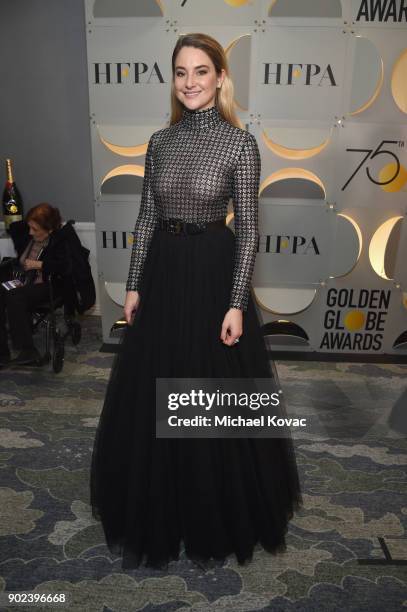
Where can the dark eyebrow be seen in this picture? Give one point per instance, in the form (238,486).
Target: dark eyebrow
(196,67)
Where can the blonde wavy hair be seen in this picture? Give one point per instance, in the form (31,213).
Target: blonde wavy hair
(224,99)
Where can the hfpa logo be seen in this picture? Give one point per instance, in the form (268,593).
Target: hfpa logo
(291,245)
(298,74)
(117,73)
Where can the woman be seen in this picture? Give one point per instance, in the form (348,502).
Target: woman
(190,313)
(41,250)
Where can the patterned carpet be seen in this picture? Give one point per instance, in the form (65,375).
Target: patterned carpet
(347,549)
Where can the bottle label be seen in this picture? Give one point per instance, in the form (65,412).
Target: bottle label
(8,219)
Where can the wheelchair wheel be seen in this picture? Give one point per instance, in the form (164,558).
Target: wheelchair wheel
(58,354)
(76,332)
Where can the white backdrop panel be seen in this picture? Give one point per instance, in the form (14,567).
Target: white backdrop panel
(367,154)
(292,78)
(294,244)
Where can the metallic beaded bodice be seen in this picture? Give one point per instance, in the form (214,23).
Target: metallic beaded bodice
(192,169)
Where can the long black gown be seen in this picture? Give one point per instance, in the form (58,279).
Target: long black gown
(219,496)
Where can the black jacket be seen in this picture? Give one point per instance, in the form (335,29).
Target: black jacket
(66,260)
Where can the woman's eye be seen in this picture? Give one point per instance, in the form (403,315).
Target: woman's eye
(181,74)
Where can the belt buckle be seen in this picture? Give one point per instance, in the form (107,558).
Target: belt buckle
(178,227)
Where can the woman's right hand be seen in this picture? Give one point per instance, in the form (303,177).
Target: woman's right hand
(130,305)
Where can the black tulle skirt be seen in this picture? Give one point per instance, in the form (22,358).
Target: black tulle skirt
(211,496)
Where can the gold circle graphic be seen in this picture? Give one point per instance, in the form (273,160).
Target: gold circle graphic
(355,319)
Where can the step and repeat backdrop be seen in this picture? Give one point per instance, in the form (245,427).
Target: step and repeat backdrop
(323,87)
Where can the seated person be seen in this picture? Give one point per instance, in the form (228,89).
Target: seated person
(42,250)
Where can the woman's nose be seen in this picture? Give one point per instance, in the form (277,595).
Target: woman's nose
(190,81)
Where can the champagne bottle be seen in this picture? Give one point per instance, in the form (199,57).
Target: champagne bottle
(12,200)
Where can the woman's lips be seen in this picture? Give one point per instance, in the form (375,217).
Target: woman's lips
(192,94)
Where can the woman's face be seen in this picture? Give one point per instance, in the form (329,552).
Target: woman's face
(37,231)
(195,79)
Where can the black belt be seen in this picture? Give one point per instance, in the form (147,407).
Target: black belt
(177,226)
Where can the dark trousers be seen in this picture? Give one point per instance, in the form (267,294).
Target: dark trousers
(16,305)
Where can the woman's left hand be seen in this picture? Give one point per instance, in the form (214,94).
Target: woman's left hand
(32,264)
(232,326)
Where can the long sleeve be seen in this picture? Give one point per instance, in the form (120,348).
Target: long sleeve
(145,224)
(57,259)
(245,194)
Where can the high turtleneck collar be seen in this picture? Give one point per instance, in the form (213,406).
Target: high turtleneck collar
(201,119)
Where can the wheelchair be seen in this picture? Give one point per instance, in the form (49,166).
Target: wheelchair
(45,315)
